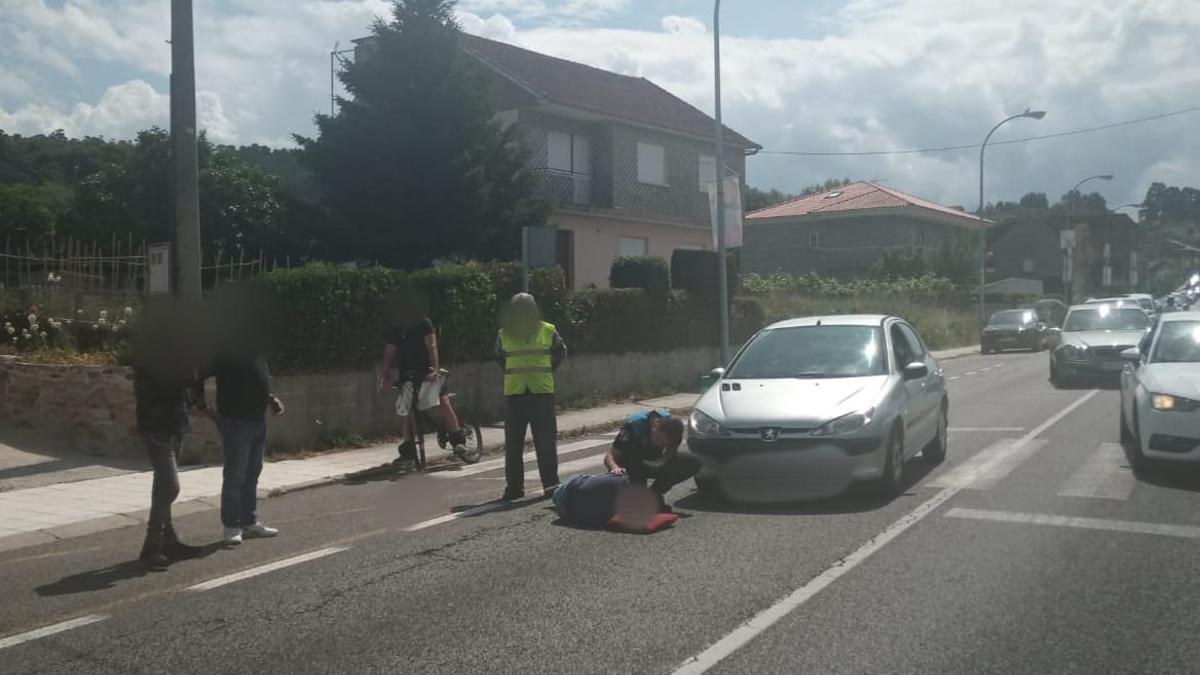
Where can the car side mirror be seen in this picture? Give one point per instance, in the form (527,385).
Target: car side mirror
(915,370)
(710,378)
(1132,355)
(716,373)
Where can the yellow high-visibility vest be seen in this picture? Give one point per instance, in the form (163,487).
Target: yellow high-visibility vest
(528,368)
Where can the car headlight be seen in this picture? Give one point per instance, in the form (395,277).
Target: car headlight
(846,424)
(1075,352)
(703,425)
(1168,403)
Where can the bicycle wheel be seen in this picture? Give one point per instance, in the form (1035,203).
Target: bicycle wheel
(472,448)
(419,439)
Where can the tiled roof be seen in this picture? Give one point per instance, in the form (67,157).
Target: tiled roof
(634,99)
(860,196)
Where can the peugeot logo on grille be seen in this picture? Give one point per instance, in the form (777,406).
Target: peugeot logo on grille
(769,434)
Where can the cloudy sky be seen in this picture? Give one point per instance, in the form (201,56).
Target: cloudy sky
(799,75)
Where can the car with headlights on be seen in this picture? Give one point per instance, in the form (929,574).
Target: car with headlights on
(1160,393)
(1092,339)
(1013,329)
(809,406)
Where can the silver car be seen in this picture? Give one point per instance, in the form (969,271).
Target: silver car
(1092,339)
(809,406)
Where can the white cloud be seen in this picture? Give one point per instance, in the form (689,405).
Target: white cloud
(558,11)
(496,27)
(122,111)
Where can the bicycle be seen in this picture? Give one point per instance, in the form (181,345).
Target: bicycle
(470,451)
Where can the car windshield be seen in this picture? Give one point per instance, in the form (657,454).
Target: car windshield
(1178,342)
(1016,317)
(1106,317)
(812,352)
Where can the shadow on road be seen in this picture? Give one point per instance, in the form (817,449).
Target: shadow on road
(859,498)
(108,577)
(1171,477)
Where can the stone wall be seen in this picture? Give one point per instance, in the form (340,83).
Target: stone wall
(90,409)
(86,409)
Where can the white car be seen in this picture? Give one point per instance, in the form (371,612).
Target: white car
(1143,300)
(1160,392)
(809,406)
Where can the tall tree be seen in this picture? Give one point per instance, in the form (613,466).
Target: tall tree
(413,167)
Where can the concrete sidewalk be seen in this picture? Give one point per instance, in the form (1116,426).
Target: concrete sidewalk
(74,508)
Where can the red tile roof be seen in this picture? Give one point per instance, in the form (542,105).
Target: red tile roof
(860,196)
(575,85)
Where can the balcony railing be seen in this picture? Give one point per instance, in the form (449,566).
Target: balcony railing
(563,188)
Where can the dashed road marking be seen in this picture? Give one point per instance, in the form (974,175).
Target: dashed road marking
(263,569)
(47,631)
(1181,531)
(1105,475)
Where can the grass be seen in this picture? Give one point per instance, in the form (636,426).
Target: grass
(59,356)
(942,327)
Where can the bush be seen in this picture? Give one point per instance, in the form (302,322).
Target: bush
(648,273)
(696,272)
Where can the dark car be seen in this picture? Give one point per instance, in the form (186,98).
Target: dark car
(1013,329)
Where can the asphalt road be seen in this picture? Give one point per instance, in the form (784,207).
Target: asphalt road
(1033,548)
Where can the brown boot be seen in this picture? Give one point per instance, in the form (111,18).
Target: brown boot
(174,549)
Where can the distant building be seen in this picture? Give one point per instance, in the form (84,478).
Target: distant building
(625,163)
(844,231)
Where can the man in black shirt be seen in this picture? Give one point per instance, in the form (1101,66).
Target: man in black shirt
(163,373)
(647,447)
(410,360)
(243,398)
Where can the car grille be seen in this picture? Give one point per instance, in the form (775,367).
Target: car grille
(1109,352)
(722,450)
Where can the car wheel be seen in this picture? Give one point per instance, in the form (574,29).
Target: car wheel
(1056,376)
(1133,449)
(1126,434)
(891,483)
(935,452)
(710,489)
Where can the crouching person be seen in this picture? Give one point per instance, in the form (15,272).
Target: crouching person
(647,448)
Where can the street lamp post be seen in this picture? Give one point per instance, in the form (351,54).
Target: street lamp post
(185,180)
(1031,114)
(1069,270)
(722,267)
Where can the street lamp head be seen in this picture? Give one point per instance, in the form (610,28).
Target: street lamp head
(1035,114)
(1107,176)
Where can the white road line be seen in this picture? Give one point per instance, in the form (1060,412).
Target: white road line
(997,365)
(965,430)
(956,377)
(984,370)
(1106,475)
(743,634)
(1181,531)
(494,464)
(47,631)
(451,517)
(263,569)
(970,373)
(1008,459)
(965,474)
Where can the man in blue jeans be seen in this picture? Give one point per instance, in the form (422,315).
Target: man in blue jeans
(243,397)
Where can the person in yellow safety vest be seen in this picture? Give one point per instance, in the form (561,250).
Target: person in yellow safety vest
(530,350)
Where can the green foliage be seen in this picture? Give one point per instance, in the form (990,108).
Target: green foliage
(954,260)
(696,272)
(30,211)
(648,273)
(757,199)
(414,168)
(925,288)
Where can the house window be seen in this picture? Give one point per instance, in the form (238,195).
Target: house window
(1027,265)
(651,164)
(816,239)
(569,153)
(632,246)
(708,172)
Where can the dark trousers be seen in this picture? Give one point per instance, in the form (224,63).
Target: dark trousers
(680,468)
(535,411)
(244,444)
(163,450)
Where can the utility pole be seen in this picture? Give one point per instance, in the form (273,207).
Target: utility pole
(185,172)
(722,265)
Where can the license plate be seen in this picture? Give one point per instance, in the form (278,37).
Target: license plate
(1112,365)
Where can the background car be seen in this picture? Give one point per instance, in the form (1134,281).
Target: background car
(1160,393)
(809,406)
(1143,300)
(1092,339)
(1013,329)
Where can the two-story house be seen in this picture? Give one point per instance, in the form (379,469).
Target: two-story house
(842,232)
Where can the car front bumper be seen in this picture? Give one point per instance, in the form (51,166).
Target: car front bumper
(1170,436)
(789,469)
(1097,367)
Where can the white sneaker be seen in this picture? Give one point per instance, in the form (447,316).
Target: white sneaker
(259,531)
(233,535)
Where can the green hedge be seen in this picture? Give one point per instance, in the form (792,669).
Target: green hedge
(336,318)
(648,273)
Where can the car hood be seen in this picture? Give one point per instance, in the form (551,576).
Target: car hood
(797,403)
(1176,379)
(1103,338)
